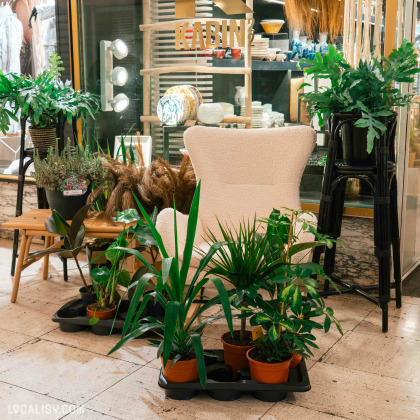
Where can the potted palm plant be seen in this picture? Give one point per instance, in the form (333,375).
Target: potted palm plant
(46,102)
(180,347)
(241,261)
(67,177)
(365,93)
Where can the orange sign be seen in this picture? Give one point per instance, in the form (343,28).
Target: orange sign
(186,8)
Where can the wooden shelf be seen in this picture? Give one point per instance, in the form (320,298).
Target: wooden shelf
(227,120)
(259,65)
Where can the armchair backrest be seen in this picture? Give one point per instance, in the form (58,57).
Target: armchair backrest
(247,172)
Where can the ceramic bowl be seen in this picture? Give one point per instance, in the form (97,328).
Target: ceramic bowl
(271,27)
(219,53)
(190,95)
(173,109)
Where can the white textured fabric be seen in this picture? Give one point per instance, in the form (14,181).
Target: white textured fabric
(243,173)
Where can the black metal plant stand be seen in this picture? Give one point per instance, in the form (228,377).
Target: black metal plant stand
(381,178)
(42,200)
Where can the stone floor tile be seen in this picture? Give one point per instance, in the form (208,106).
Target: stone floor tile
(85,414)
(350,310)
(385,356)
(19,403)
(145,400)
(403,323)
(283,410)
(10,340)
(61,372)
(137,351)
(27,316)
(359,395)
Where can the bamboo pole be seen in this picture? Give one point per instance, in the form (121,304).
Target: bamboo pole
(378,27)
(390,26)
(366,30)
(146,66)
(196,69)
(358,44)
(248,65)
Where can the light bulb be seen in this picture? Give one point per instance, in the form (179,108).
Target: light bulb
(120,102)
(119,49)
(119,76)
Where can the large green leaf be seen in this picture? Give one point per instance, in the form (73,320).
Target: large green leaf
(77,223)
(224,300)
(100,274)
(123,278)
(171,321)
(199,353)
(191,231)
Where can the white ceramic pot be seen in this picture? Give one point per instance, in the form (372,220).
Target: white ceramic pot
(210,113)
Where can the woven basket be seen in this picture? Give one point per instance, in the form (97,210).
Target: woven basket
(43,138)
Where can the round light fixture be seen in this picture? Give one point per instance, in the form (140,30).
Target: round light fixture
(119,49)
(120,102)
(119,76)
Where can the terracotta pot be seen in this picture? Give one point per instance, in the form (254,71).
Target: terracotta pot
(268,373)
(181,371)
(235,356)
(109,314)
(296,359)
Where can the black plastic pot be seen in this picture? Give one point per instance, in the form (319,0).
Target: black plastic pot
(222,386)
(355,146)
(67,206)
(154,309)
(86,297)
(94,252)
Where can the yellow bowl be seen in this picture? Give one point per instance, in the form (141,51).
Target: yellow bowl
(272,28)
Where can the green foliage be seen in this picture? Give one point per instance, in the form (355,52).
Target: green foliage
(366,89)
(286,315)
(73,235)
(50,173)
(181,340)
(45,100)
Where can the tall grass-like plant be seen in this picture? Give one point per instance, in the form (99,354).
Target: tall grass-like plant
(243,262)
(181,338)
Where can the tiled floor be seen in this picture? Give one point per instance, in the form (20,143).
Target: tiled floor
(48,374)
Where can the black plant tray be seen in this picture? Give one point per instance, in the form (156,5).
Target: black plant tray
(76,319)
(220,384)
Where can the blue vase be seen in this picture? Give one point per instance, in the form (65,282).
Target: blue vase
(323,44)
(297,50)
(305,48)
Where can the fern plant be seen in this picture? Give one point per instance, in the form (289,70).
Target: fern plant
(45,101)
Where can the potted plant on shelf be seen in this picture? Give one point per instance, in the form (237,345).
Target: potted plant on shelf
(67,177)
(241,261)
(365,92)
(46,102)
(180,349)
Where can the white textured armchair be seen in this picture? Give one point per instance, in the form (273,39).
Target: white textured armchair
(243,173)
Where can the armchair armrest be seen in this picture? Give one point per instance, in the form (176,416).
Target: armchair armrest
(165,226)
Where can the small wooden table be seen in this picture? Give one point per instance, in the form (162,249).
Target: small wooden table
(32,224)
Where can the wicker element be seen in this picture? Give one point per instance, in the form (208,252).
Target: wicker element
(43,138)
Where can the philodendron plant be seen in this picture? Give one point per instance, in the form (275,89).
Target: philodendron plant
(73,235)
(287,316)
(180,335)
(367,89)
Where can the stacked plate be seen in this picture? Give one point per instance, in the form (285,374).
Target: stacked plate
(259,47)
(179,104)
(257,114)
